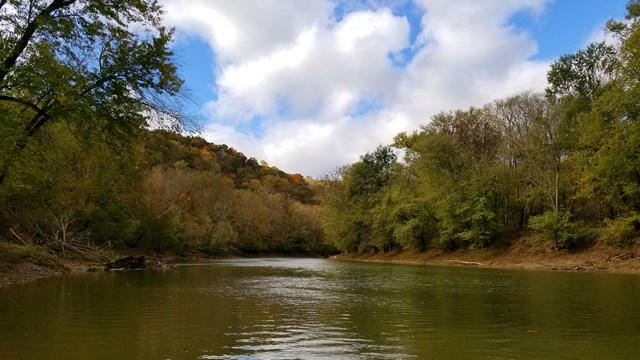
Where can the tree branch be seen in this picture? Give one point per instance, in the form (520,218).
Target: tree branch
(43,16)
(27,103)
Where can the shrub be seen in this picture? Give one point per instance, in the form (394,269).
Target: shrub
(621,231)
(560,229)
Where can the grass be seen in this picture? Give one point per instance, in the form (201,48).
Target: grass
(13,254)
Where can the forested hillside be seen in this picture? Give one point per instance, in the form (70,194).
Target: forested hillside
(161,191)
(565,164)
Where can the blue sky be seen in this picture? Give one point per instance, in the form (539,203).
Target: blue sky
(566,25)
(311,85)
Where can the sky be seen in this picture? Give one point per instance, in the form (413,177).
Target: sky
(310,85)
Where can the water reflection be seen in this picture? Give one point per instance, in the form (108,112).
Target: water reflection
(319,309)
(298,316)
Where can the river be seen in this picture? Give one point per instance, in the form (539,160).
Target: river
(322,309)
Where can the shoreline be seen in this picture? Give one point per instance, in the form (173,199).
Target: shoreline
(28,272)
(516,257)
(20,264)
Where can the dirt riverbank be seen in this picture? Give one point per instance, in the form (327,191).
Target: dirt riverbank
(21,264)
(521,256)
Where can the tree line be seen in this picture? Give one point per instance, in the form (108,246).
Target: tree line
(564,164)
(161,191)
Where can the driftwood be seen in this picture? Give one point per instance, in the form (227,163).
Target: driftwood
(623,256)
(161,264)
(467,263)
(85,252)
(130,262)
(15,234)
(572,267)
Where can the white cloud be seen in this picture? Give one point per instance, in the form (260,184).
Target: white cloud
(600,34)
(327,91)
(306,74)
(238,30)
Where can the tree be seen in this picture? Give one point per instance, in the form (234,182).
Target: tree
(103,65)
(454,160)
(371,173)
(353,196)
(584,73)
(609,134)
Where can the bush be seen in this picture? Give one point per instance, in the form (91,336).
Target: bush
(560,229)
(469,225)
(621,231)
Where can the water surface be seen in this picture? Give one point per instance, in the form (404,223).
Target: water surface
(322,309)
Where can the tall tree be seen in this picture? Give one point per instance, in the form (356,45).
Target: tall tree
(584,73)
(101,64)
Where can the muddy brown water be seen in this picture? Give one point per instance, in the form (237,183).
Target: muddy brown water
(322,309)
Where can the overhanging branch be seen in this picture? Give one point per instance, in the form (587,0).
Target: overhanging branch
(46,14)
(27,103)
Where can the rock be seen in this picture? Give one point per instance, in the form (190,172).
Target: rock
(131,262)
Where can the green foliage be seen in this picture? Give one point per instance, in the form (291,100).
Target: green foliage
(103,67)
(351,204)
(481,225)
(559,228)
(583,73)
(164,193)
(622,231)
(222,239)
(371,173)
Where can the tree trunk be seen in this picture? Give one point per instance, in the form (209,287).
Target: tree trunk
(557,203)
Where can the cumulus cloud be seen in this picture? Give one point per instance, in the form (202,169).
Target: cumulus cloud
(347,60)
(600,34)
(323,89)
(241,30)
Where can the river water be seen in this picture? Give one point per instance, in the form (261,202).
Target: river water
(322,309)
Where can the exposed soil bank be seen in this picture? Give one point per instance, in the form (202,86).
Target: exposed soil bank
(519,256)
(20,264)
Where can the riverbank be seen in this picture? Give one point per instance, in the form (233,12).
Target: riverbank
(24,263)
(522,255)
(21,264)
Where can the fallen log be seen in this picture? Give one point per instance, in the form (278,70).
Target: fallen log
(467,263)
(623,256)
(131,262)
